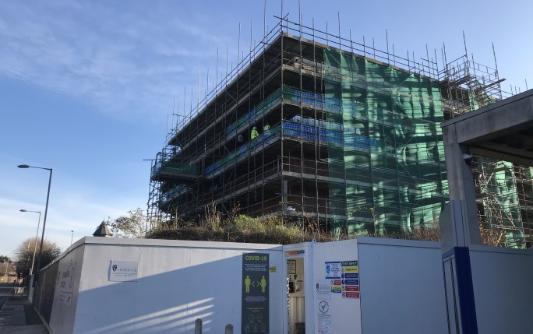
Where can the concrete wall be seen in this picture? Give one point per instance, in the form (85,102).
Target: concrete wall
(402,286)
(43,296)
(503,289)
(177,283)
(66,291)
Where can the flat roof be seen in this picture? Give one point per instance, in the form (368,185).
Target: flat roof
(191,244)
(177,243)
(503,130)
(477,113)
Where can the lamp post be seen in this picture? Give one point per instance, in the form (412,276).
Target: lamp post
(30,290)
(39,258)
(36,237)
(5,274)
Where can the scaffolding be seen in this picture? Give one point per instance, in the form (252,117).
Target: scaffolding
(313,126)
(503,189)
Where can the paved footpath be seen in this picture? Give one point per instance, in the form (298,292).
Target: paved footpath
(18,317)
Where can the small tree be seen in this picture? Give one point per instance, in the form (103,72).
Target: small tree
(133,225)
(25,256)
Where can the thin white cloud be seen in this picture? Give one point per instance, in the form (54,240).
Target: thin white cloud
(123,61)
(128,61)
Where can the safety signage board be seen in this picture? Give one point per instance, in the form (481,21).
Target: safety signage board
(350,279)
(255,290)
(333,270)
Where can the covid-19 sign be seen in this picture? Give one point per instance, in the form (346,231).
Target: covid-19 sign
(255,287)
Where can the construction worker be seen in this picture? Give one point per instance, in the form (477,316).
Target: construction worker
(254,133)
(266,127)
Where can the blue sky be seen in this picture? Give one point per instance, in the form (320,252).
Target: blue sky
(88,87)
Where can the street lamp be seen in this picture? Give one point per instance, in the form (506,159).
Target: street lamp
(39,258)
(30,294)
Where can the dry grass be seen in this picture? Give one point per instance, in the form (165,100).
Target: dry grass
(236,228)
(493,237)
(430,234)
(241,229)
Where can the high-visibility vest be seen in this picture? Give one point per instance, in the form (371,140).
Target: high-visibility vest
(254,134)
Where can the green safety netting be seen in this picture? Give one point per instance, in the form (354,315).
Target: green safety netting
(398,183)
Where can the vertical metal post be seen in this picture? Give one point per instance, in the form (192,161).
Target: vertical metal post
(300,54)
(283,188)
(235,109)
(228,329)
(429,66)
(387,41)
(436,65)
(7,268)
(32,275)
(317,139)
(254,120)
(35,246)
(497,73)
(44,222)
(198,326)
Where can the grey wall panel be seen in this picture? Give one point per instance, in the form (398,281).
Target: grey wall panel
(402,287)
(503,289)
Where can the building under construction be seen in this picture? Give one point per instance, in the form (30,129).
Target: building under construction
(319,129)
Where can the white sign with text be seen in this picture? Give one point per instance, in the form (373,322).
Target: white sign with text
(122,271)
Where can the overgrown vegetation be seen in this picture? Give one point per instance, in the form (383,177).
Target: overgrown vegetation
(430,234)
(214,226)
(235,227)
(240,229)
